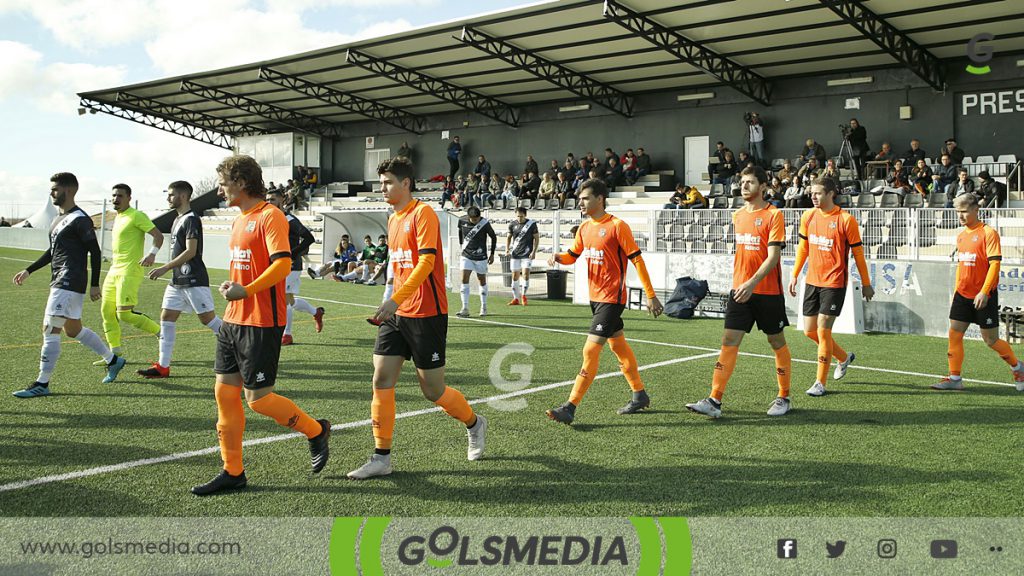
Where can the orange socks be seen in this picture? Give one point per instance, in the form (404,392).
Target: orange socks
(723,370)
(591,362)
(382,415)
(837,352)
(956,352)
(454,404)
(824,353)
(783,362)
(230,426)
(286,413)
(627,362)
(1005,352)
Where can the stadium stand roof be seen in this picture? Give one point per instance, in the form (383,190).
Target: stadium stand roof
(604,53)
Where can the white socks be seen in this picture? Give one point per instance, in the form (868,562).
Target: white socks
(465,296)
(48,357)
(526,287)
(215,324)
(288,320)
(168,332)
(515,289)
(304,306)
(350,276)
(483,297)
(389,290)
(94,343)
(366,273)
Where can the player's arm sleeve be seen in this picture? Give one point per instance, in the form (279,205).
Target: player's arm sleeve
(306,240)
(574,252)
(995,256)
(494,238)
(95,260)
(857,247)
(276,239)
(777,232)
(43,260)
(462,235)
(629,245)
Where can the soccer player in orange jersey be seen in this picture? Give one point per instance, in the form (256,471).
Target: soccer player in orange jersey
(249,340)
(756,294)
(976,300)
(607,243)
(413,321)
(827,236)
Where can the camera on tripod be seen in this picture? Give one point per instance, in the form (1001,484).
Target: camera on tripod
(845,130)
(751,118)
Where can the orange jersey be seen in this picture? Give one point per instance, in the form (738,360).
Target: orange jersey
(258,237)
(414,232)
(830,236)
(975,248)
(755,232)
(608,245)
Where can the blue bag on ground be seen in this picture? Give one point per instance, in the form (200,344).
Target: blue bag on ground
(685,297)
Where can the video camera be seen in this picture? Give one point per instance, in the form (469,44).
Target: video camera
(845,130)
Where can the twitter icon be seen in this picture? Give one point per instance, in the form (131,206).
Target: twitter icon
(835,550)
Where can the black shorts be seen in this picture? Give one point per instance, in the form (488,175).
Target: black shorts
(607,318)
(422,339)
(769,311)
(252,351)
(828,301)
(963,310)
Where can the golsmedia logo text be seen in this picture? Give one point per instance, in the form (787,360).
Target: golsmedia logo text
(980,54)
(445,546)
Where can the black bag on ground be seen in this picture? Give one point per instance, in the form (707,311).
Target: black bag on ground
(686,297)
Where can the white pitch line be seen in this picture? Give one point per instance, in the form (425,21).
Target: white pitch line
(277,438)
(688,346)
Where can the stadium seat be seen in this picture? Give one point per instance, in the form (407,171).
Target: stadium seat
(716,232)
(719,247)
(948,220)
(693,232)
(890,200)
(913,201)
(926,233)
(737,201)
(844,200)
(699,247)
(872,235)
(937,200)
(720,203)
(1007,158)
(866,201)
(716,190)
(898,229)
(984,160)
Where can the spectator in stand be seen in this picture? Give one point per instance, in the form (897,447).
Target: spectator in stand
(776,194)
(554,169)
(563,190)
(807,172)
(956,154)
(448,192)
(910,157)
(460,191)
(483,168)
(992,193)
(405,151)
(814,150)
(628,164)
(744,161)
(719,153)
(486,194)
(945,176)
(830,170)
(756,137)
(531,165)
(530,188)
(859,148)
(643,163)
(472,191)
(614,175)
(510,193)
(310,181)
(453,155)
(569,169)
(898,180)
(675,201)
(885,154)
(726,170)
(608,155)
(787,172)
(497,186)
(581,175)
(694,199)
(921,177)
(547,191)
(963,185)
(300,174)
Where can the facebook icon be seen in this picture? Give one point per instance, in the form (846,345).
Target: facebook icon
(786,548)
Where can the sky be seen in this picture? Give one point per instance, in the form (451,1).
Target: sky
(52,49)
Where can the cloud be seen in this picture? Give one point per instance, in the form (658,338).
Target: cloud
(50,87)
(89,24)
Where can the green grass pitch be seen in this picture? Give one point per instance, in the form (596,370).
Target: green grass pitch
(880,444)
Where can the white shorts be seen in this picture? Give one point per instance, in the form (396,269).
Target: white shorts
(291,284)
(520,264)
(478,266)
(64,303)
(182,298)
